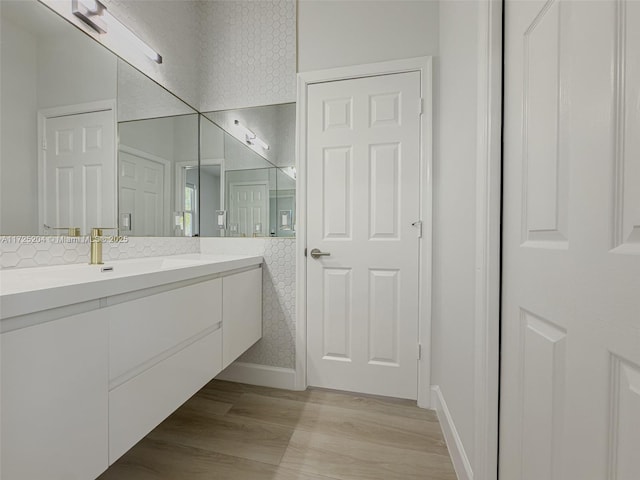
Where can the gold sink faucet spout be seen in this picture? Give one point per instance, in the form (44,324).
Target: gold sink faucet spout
(96,245)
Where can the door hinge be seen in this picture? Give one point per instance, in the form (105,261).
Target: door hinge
(420,106)
(305,252)
(418,224)
(419,352)
(44,143)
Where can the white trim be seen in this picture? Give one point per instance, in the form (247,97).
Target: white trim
(180,182)
(166,182)
(216,161)
(417,64)
(487,240)
(454,442)
(262,375)
(90,107)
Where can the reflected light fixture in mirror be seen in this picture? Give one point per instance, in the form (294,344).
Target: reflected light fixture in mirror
(96,16)
(250,137)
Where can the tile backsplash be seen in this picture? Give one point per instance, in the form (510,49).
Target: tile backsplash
(26,251)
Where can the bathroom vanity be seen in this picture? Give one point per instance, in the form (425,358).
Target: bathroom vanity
(92,359)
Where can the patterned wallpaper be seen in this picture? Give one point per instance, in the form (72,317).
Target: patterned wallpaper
(277,346)
(248,53)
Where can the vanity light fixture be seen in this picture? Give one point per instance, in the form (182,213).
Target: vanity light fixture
(96,16)
(250,137)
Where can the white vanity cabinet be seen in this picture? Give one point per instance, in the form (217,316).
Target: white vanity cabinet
(162,349)
(54,380)
(242,313)
(84,382)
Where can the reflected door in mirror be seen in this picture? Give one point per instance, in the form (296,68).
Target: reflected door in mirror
(142,192)
(249,206)
(79,171)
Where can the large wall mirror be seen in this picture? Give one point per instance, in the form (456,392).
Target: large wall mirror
(158,176)
(58,124)
(247,174)
(89,141)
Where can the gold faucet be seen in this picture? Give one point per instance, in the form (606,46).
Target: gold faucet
(96,245)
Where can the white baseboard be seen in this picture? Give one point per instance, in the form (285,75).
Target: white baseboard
(262,375)
(454,442)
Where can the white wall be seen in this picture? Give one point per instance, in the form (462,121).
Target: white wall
(338,33)
(209,200)
(155,136)
(211,140)
(72,69)
(454,216)
(18,126)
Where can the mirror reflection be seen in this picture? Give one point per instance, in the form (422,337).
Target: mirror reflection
(158,178)
(58,125)
(89,141)
(243,194)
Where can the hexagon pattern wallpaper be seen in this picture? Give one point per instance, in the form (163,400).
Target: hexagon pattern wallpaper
(249,53)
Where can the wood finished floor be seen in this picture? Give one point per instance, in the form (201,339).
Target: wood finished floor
(233,431)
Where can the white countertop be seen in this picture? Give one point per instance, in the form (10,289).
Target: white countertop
(29,290)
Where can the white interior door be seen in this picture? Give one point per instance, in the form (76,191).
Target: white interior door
(142,194)
(79,171)
(249,205)
(570,406)
(363,195)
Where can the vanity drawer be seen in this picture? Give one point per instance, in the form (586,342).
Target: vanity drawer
(136,407)
(143,329)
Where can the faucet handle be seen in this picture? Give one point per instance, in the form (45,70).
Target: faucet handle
(71,231)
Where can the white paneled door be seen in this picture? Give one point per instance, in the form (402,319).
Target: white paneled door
(570,406)
(142,192)
(363,156)
(79,174)
(249,206)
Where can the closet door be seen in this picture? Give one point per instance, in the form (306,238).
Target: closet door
(570,391)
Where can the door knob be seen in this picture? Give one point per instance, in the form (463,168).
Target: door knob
(315,253)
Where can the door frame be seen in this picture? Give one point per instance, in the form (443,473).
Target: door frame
(209,162)
(67,110)
(488,283)
(423,65)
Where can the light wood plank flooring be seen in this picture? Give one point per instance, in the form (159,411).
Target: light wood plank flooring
(233,431)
